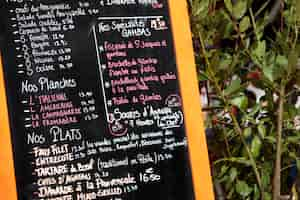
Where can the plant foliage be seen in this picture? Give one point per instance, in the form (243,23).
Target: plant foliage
(247,54)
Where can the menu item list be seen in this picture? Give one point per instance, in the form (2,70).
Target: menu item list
(94,100)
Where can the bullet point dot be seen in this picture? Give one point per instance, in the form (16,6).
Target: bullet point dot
(107,85)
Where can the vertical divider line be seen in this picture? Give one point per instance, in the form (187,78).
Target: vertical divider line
(101,73)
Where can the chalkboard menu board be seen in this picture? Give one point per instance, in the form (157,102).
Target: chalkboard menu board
(94,101)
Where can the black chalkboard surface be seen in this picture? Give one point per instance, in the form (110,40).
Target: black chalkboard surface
(94,101)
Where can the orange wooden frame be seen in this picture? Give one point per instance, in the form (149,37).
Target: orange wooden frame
(7,173)
(191,100)
(191,105)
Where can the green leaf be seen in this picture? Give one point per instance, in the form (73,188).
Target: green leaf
(259,52)
(276,67)
(298,163)
(233,174)
(254,110)
(290,112)
(282,61)
(270,139)
(202,8)
(224,170)
(298,10)
(293,139)
(243,188)
(247,132)
(228,29)
(228,5)
(245,24)
(265,178)
(224,179)
(225,61)
(256,194)
(256,146)
(266,174)
(268,71)
(202,76)
(234,86)
(262,130)
(267,196)
(240,101)
(240,8)
(292,62)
